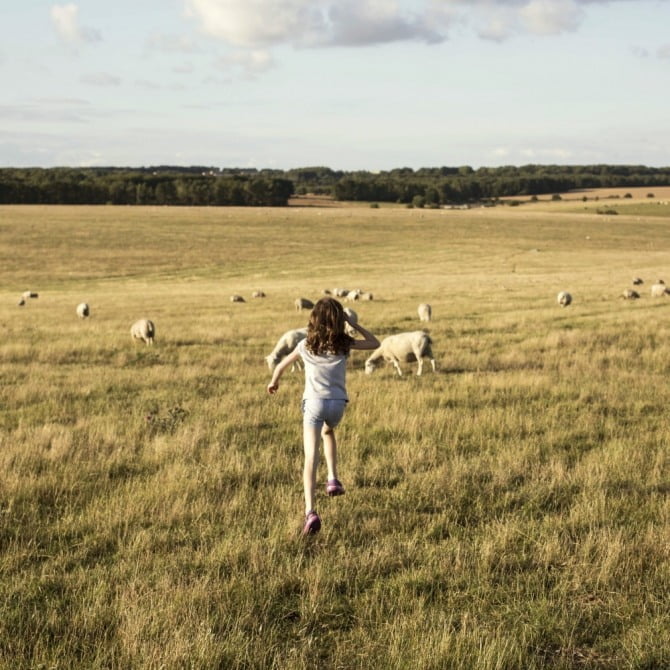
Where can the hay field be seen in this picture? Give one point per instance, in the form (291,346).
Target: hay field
(509,511)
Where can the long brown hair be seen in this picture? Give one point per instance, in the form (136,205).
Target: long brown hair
(325,331)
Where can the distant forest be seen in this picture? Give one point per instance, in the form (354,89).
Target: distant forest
(209,186)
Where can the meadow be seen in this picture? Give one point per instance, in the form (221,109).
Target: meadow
(509,511)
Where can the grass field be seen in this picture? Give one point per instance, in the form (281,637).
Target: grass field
(510,511)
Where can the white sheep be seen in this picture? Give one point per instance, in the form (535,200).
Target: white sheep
(258,294)
(236,298)
(353,317)
(564,298)
(83,310)
(29,294)
(285,345)
(659,289)
(303,303)
(144,330)
(630,294)
(340,292)
(353,295)
(366,295)
(405,347)
(425,312)
(637,281)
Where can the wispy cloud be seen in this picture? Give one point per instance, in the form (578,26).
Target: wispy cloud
(65,19)
(172,44)
(664,51)
(250,62)
(100,79)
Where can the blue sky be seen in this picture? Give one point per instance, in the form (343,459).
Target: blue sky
(347,84)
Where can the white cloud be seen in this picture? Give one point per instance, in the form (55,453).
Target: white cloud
(550,17)
(66,21)
(266,23)
(664,51)
(351,23)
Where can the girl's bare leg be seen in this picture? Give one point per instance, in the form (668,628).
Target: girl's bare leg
(330,450)
(311,445)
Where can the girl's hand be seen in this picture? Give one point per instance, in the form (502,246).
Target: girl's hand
(272,388)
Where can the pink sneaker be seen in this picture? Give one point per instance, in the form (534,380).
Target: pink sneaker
(312,523)
(334,488)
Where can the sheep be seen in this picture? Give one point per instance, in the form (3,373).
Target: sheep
(258,294)
(564,298)
(658,290)
(29,294)
(237,298)
(303,303)
(425,312)
(285,345)
(406,347)
(630,294)
(83,310)
(353,317)
(144,330)
(365,296)
(637,281)
(354,295)
(340,292)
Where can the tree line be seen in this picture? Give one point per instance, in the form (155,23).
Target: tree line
(115,186)
(210,186)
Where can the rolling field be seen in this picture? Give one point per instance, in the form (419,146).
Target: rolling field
(509,511)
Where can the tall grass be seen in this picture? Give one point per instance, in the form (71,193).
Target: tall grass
(509,511)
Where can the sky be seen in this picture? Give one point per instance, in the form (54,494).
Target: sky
(346,84)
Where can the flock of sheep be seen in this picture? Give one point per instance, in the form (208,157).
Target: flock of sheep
(658,290)
(407,347)
(401,348)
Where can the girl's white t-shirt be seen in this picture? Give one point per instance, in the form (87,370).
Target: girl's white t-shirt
(325,374)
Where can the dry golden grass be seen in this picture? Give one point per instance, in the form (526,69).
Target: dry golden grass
(510,511)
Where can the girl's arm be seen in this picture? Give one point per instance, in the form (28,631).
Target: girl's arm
(279,370)
(370,341)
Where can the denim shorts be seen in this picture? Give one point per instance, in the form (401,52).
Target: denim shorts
(317,411)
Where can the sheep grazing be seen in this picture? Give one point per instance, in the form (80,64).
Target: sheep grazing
(637,281)
(303,303)
(564,298)
(258,294)
(366,295)
(29,294)
(425,312)
(340,292)
(658,290)
(354,295)
(353,317)
(83,310)
(285,345)
(630,294)
(144,330)
(236,298)
(403,347)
